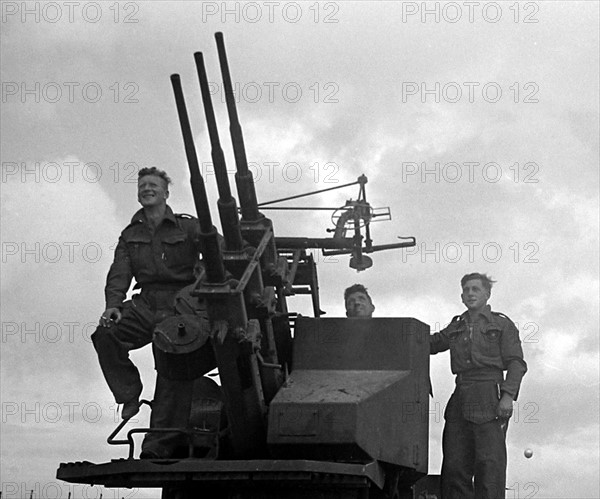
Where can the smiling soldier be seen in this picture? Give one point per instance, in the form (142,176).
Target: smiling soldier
(160,250)
(483,344)
(358,302)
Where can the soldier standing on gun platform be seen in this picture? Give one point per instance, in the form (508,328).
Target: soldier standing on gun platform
(482,345)
(160,250)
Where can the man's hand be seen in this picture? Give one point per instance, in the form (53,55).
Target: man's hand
(505,407)
(110,315)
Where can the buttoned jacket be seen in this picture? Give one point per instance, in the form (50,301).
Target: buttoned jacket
(489,342)
(167,255)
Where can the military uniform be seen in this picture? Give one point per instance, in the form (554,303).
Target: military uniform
(162,261)
(474,438)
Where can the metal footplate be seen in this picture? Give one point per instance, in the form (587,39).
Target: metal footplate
(135,473)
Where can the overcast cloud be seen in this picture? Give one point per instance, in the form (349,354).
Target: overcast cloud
(479,129)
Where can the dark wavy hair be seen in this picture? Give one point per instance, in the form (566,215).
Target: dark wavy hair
(356,288)
(484,278)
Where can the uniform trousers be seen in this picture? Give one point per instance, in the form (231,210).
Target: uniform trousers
(134,330)
(172,399)
(474,464)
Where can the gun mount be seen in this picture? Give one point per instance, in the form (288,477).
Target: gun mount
(354,216)
(343,414)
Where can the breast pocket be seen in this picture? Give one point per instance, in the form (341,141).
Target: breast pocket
(460,349)
(453,335)
(140,251)
(491,340)
(178,252)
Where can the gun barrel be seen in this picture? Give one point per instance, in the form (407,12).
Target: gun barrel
(243,177)
(227,205)
(216,151)
(316,243)
(198,189)
(381,247)
(211,250)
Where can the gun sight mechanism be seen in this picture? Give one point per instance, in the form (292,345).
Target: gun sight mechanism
(354,218)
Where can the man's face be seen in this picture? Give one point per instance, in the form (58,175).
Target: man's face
(359,304)
(152,191)
(474,295)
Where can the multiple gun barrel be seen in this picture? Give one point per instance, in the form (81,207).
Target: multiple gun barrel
(245,279)
(324,416)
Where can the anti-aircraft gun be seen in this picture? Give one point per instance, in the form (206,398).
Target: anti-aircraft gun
(338,409)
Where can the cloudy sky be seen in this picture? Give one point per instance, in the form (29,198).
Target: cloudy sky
(476,124)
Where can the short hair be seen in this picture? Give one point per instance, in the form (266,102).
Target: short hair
(154,171)
(356,288)
(484,278)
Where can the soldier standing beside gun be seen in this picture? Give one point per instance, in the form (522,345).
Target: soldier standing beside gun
(160,250)
(482,345)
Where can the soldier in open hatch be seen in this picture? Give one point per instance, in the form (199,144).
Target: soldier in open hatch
(160,249)
(358,302)
(483,344)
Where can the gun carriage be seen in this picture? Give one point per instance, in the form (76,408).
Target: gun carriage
(307,406)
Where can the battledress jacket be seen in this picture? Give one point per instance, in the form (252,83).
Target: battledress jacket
(483,348)
(166,256)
